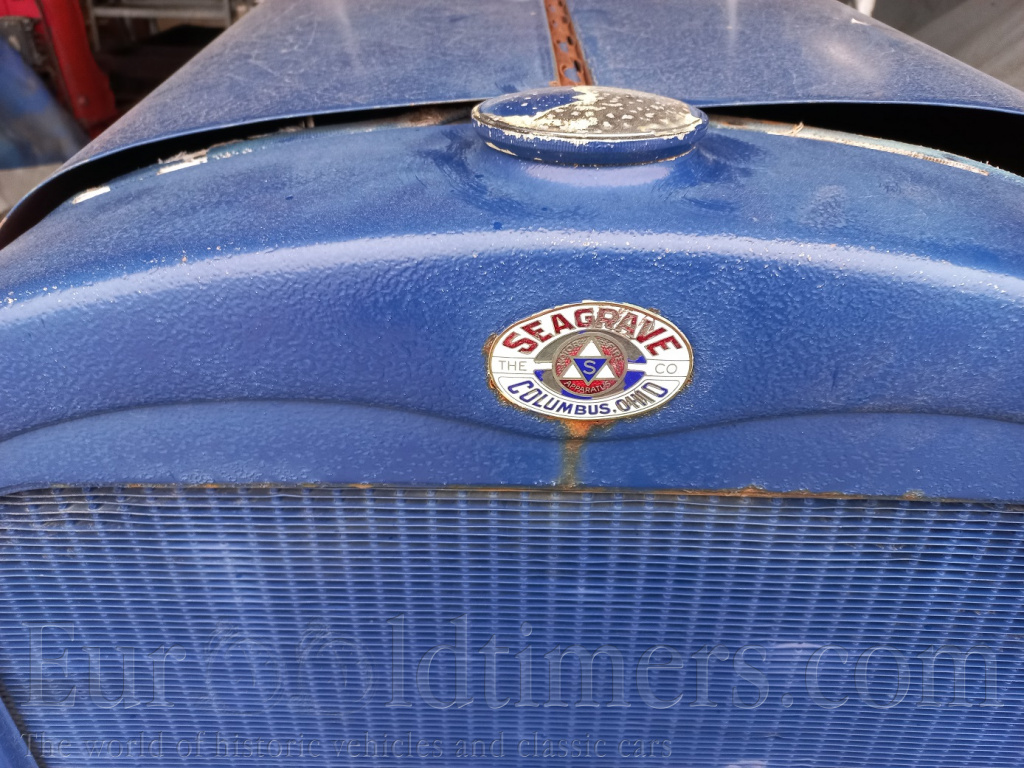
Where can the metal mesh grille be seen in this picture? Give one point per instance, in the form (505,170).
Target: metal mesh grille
(262,615)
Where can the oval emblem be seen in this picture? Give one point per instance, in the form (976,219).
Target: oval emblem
(589,125)
(591,361)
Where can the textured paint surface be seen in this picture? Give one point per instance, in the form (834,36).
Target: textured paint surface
(312,308)
(269,610)
(369,269)
(813,53)
(729,52)
(295,58)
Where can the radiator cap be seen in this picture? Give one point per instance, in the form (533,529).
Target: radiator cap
(589,125)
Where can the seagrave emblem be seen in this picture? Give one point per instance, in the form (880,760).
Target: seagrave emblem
(591,361)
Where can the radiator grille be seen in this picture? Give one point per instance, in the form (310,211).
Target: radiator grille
(268,612)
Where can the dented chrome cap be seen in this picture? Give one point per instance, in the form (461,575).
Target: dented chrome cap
(589,125)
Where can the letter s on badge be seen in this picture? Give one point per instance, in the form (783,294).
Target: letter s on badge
(590,361)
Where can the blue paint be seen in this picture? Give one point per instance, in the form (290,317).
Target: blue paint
(13,748)
(249,441)
(312,308)
(34,130)
(631,378)
(312,57)
(874,454)
(317,57)
(276,612)
(361,269)
(733,52)
(589,366)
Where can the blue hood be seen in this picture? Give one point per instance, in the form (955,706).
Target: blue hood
(293,59)
(298,58)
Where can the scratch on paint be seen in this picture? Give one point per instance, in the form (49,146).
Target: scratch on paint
(183,164)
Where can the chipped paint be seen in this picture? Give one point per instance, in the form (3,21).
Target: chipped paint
(89,194)
(190,163)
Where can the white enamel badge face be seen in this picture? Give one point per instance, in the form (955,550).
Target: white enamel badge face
(591,361)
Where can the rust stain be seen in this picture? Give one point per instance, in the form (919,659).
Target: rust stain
(489,343)
(757,492)
(576,435)
(569,62)
(577,432)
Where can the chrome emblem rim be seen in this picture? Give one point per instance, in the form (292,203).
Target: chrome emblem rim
(589,125)
(590,361)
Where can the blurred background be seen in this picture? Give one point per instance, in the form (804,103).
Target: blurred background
(69,68)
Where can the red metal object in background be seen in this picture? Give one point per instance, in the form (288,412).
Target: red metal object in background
(85,90)
(25,8)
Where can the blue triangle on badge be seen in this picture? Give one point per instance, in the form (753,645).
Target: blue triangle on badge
(589,367)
